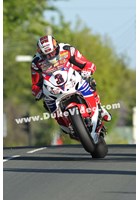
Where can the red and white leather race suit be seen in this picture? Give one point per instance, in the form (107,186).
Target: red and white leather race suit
(66,53)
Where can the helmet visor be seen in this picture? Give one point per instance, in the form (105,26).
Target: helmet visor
(51,55)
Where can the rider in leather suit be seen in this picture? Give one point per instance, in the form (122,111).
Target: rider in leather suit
(51,53)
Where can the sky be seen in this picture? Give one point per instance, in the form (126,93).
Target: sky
(115,18)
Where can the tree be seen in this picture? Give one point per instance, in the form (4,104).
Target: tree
(24,23)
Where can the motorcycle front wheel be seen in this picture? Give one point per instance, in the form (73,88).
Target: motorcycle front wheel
(82,132)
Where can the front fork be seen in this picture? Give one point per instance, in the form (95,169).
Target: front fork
(77,101)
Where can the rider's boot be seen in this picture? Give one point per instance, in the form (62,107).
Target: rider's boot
(106,116)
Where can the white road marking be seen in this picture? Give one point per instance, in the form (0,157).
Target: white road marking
(10,158)
(16,156)
(35,150)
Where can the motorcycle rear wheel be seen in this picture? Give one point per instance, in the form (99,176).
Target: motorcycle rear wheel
(101,149)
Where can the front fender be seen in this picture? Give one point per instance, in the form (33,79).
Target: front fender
(75,100)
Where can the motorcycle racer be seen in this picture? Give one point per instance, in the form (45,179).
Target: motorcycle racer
(50,55)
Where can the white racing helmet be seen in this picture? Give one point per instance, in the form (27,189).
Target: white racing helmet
(49,48)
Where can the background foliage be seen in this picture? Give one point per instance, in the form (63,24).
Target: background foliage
(24,23)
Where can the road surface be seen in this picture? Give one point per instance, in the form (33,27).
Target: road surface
(69,173)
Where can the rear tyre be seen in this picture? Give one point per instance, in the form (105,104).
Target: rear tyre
(82,132)
(101,149)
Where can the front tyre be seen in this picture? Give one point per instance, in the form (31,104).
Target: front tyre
(101,149)
(82,132)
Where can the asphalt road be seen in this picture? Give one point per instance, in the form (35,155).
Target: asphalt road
(69,173)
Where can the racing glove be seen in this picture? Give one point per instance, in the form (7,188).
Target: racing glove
(86,74)
(88,70)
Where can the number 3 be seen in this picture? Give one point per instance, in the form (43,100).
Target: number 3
(59,78)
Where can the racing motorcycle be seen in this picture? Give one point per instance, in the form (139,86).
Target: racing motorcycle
(75,105)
